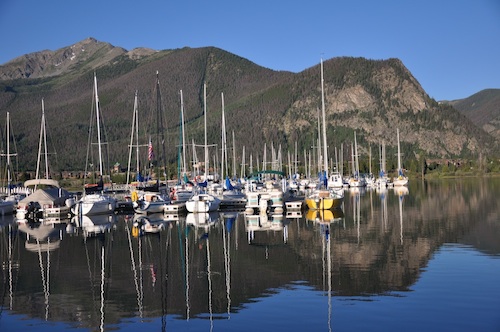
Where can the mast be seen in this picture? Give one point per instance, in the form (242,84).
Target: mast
(356,170)
(135,125)
(184,170)
(159,126)
(205,125)
(325,158)
(98,124)
(223,142)
(43,140)
(8,155)
(399,153)
(234,157)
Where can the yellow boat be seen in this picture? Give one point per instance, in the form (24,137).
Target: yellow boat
(324,200)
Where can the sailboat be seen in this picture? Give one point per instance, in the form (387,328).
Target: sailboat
(7,204)
(183,191)
(203,202)
(324,199)
(401,179)
(356,180)
(97,202)
(48,200)
(382,181)
(143,201)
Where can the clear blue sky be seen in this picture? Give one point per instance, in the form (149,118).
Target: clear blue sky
(452,47)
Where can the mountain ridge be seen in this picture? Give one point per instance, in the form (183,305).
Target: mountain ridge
(371,97)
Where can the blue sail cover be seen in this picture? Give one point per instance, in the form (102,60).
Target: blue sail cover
(323,179)
(139,177)
(229,186)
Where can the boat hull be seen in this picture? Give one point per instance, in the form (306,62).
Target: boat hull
(94,204)
(400,181)
(324,200)
(202,203)
(323,203)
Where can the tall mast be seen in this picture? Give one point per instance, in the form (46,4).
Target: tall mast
(98,125)
(399,152)
(159,126)
(234,157)
(205,124)
(224,141)
(135,125)
(9,175)
(325,156)
(184,170)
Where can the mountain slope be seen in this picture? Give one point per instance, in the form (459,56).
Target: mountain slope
(262,106)
(483,109)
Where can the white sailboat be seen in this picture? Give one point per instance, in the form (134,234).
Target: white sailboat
(203,202)
(51,201)
(356,180)
(97,202)
(8,203)
(401,179)
(143,202)
(183,191)
(324,199)
(382,181)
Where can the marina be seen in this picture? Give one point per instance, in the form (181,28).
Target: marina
(427,254)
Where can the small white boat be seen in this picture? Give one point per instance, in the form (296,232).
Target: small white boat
(202,203)
(149,203)
(94,204)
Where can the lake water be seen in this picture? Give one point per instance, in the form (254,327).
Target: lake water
(423,260)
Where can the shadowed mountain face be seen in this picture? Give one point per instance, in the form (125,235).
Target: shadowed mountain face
(483,109)
(371,97)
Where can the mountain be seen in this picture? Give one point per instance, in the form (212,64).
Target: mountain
(483,109)
(262,106)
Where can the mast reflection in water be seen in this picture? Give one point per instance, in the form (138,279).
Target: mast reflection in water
(426,258)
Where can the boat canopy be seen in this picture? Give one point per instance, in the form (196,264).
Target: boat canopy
(45,182)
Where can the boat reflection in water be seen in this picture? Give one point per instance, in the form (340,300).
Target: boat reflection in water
(149,224)
(42,238)
(325,216)
(268,225)
(202,219)
(94,225)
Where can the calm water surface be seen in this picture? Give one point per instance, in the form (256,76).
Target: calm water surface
(426,259)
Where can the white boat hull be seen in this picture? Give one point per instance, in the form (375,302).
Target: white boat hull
(94,204)
(149,207)
(202,203)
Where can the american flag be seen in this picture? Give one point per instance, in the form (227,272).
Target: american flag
(151,154)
